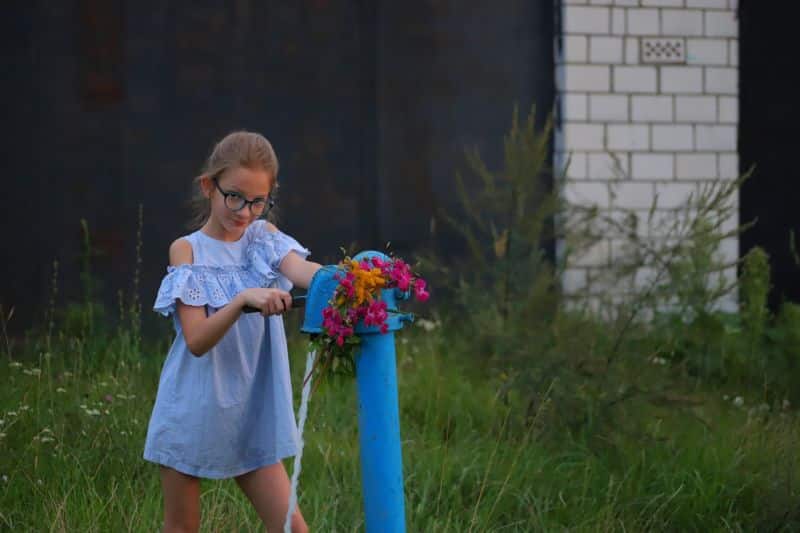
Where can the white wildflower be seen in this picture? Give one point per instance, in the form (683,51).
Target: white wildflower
(12,413)
(46,439)
(93,412)
(427,325)
(2,421)
(67,374)
(24,407)
(658,360)
(2,435)
(32,372)
(726,397)
(738,401)
(38,481)
(15,364)
(61,389)
(4,478)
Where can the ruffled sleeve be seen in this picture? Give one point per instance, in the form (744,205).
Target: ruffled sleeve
(267,249)
(200,285)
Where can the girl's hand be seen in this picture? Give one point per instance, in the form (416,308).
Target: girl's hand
(270,301)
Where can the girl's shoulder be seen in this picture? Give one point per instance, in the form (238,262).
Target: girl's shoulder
(181,252)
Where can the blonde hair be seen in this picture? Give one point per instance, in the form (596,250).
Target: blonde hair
(237,149)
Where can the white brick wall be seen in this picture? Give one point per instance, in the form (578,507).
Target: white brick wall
(639,131)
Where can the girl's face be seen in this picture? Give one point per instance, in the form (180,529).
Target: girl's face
(238,183)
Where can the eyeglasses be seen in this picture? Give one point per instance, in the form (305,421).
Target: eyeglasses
(236,202)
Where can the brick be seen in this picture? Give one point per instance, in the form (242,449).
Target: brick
(608,166)
(721,24)
(732,222)
(573,280)
(601,2)
(672,195)
(662,3)
(574,106)
(576,2)
(653,166)
(652,108)
(598,254)
(722,80)
(681,79)
(631,51)
(579,19)
(628,137)
(728,109)
(696,166)
(632,195)
(729,250)
(634,79)
(707,52)
(733,53)
(626,2)
(586,193)
(618,21)
(672,138)
(605,50)
(695,109)
(681,22)
(729,166)
(642,22)
(589,78)
(716,138)
(605,107)
(575,48)
(583,136)
(713,4)
(573,165)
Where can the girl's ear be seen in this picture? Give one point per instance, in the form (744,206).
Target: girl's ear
(206,185)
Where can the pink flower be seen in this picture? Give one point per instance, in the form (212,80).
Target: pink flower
(419,290)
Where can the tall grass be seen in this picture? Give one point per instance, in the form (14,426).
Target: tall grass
(73,432)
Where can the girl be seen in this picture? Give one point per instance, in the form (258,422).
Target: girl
(224,402)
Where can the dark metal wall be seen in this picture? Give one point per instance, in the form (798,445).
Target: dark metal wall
(369,105)
(769,115)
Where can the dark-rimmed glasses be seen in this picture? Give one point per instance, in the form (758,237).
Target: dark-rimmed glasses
(236,202)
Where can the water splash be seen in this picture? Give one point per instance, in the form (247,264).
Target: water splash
(287,525)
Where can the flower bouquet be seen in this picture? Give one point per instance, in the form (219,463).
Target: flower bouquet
(357,297)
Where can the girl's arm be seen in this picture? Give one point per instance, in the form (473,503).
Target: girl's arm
(203,332)
(298,270)
(295,268)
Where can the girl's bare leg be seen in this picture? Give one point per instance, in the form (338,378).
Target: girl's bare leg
(268,489)
(181,501)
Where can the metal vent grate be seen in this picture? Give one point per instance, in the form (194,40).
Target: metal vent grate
(663,51)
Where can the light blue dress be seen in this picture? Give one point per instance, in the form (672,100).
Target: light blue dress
(229,411)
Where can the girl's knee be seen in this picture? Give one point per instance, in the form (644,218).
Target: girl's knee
(298,524)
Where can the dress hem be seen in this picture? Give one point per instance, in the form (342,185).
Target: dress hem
(192,470)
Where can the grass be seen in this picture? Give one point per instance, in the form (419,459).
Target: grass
(74,422)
